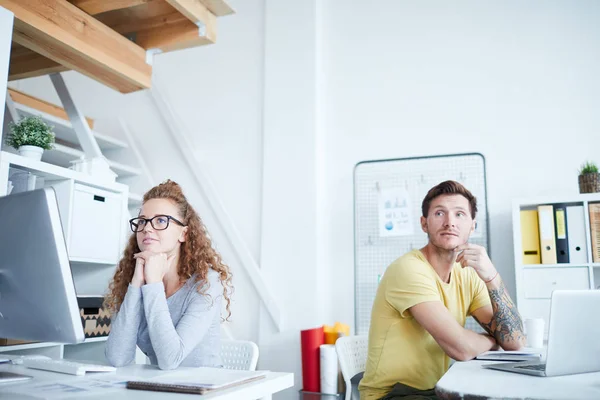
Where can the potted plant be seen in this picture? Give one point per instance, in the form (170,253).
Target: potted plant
(589,178)
(31,136)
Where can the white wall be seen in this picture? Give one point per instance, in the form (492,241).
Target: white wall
(515,81)
(291,201)
(295,93)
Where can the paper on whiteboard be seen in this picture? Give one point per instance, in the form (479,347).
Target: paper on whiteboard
(395,217)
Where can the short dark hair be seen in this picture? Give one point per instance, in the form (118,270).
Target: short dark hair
(449,187)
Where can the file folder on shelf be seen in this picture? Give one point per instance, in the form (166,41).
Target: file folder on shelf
(547,238)
(576,233)
(595,230)
(530,237)
(560,231)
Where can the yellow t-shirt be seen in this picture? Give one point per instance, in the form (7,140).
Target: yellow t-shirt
(400,349)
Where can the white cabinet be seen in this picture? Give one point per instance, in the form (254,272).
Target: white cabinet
(539,283)
(536,282)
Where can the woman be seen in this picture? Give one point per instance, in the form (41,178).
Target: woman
(168,287)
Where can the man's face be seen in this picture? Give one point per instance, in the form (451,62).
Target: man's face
(449,222)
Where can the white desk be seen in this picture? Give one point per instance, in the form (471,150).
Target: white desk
(264,388)
(466,379)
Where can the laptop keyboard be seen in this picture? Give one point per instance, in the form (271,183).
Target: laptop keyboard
(536,367)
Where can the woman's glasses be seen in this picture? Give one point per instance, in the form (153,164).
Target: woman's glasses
(159,223)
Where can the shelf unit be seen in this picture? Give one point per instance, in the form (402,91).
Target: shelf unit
(91,275)
(67,148)
(535,282)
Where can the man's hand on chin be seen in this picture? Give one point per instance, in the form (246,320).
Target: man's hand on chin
(476,257)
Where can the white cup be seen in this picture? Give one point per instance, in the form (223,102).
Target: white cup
(31,178)
(534,329)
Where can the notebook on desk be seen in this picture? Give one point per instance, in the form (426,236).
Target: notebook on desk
(197,380)
(519,355)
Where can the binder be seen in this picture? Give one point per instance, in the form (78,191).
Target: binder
(530,237)
(547,238)
(595,230)
(576,233)
(560,232)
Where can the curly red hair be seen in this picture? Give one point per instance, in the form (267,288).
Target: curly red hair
(197,255)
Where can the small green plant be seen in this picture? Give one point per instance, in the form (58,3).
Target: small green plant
(30,131)
(588,168)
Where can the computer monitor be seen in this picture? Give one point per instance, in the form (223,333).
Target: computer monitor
(37,293)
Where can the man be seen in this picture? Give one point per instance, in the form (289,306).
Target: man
(424,298)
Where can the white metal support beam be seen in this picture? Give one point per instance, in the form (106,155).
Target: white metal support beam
(10,115)
(238,245)
(82,129)
(6,28)
(10,110)
(98,165)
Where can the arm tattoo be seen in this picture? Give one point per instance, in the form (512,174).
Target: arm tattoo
(506,325)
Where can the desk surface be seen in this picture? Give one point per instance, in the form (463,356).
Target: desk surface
(466,379)
(274,382)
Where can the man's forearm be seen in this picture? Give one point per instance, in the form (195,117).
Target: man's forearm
(506,325)
(468,345)
(479,343)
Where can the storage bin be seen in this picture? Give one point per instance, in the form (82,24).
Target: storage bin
(94,317)
(96,224)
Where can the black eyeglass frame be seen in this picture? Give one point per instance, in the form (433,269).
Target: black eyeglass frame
(168,217)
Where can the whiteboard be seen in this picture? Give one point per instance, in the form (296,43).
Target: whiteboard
(376,245)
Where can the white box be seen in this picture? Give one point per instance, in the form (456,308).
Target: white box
(95,230)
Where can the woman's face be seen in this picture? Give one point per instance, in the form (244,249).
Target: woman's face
(156,240)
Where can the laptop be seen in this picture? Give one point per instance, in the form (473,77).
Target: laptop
(573,345)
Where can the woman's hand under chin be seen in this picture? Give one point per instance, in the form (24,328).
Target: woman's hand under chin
(138,275)
(156,265)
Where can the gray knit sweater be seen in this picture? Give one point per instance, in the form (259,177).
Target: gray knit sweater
(182,330)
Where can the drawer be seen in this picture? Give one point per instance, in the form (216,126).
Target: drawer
(540,282)
(96,224)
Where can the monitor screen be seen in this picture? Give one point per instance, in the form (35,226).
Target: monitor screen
(37,293)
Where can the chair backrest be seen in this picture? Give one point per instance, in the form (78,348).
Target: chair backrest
(352,354)
(239,354)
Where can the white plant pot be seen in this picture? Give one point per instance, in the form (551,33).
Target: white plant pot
(34,152)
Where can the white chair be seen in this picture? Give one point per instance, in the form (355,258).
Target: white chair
(352,355)
(239,354)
